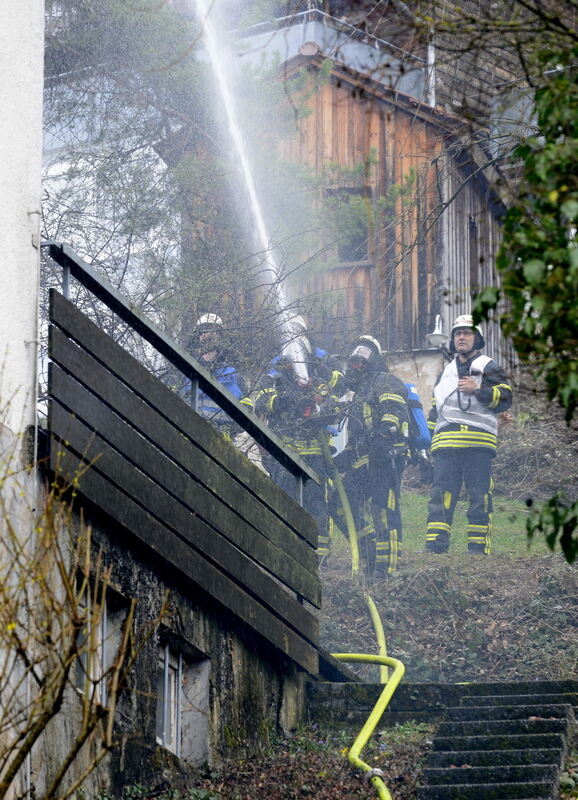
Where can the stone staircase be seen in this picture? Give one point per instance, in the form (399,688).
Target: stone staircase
(494,741)
(503,740)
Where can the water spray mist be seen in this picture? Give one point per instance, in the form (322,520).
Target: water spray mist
(218,56)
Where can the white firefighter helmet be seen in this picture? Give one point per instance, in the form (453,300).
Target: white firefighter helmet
(299,323)
(366,339)
(467,321)
(366,348)
(300,329)
(209,320)
(207,339)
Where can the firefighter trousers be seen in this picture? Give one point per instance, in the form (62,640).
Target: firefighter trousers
(470,466)
(373,493)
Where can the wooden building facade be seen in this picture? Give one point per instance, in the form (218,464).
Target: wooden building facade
(432,217)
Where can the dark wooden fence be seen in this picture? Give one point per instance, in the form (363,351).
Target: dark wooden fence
(183,492)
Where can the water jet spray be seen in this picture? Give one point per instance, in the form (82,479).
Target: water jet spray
(218,57)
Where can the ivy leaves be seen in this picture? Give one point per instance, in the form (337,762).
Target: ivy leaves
(538,260)
(538,263)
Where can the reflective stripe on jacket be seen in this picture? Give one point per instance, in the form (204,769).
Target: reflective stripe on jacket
(469,420)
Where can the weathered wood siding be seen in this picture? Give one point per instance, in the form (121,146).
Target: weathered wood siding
(167,477)
(421,252)
(348,124)
(468,238)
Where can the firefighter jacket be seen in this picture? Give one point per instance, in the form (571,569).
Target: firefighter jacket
(378,419)
(209,409)
(317,364)
(300,414)
(231,380)
(462,420)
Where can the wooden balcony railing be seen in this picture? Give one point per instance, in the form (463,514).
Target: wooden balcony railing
(176,488)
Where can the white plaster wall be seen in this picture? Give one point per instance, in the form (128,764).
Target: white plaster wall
(420,367)
(21,76)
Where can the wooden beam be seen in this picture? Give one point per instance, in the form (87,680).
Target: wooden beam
(138,380)
(173,353)
(179,555)
(185,451)
(89,422)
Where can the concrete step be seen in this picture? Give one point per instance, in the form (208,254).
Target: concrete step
(529,790)
(329,702)
(514,727)
(356,719)
(519,687)
(489,775)
(500,742)
(488,758)
(509,712)
(520,699)
(532,741)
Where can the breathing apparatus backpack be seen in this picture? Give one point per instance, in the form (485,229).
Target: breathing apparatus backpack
(419,433)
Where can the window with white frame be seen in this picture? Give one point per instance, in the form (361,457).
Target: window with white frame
(98,642)
(169,699)
(182,702)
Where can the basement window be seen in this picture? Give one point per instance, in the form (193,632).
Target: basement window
(169,700)
(98,643)
(182,711)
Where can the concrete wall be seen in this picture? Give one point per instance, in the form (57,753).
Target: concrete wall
(253,691)
(248,691)
(21,76)
(420,367)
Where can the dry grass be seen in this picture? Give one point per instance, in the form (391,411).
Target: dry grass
(457,618)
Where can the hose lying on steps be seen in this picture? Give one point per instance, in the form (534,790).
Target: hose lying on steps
(365,733)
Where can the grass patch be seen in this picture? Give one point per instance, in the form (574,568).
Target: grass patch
(508,527)
(457,617)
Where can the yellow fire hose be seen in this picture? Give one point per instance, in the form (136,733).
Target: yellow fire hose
(345,505)
(379,635)
(390,684)
(354,542)
(374,775)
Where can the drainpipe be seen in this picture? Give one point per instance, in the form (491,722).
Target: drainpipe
(430,92)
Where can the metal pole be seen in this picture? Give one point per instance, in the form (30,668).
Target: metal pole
(66,281)
(299,489)
(195,394)
(431,73)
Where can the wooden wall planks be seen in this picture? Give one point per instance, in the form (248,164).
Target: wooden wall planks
(183,491)
(419,252)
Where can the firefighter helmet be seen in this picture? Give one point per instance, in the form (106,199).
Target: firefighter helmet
(299,323)
(300,330)
(368,349)
(466,321)
(208,321)
(371,341)
(207,339)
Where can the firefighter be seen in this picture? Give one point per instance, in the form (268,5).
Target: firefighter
(375,455)
(299,410)
(208,345)
(316,360)
(468,397)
